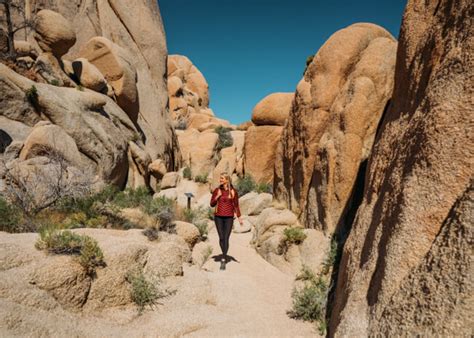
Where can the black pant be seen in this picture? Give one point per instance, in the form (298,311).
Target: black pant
(224,228)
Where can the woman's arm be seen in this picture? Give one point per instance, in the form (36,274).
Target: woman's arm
(236,204)
(214,197)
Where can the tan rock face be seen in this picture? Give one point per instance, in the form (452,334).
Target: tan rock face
(54,33)
(260,150)
(116,65)
(273,109)
(405,268)
(199,150)
(333,122)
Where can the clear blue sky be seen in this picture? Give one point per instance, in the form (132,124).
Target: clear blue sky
(247,49)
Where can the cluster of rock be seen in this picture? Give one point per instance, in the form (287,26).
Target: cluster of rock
(98,100)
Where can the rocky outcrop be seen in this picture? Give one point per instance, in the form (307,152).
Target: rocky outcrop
(144,41)
(332,124)
(407,265)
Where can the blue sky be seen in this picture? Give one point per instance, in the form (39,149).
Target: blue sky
(247,49)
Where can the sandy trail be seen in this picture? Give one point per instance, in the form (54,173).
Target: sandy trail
(248,299)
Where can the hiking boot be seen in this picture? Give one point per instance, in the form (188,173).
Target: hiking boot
(222,264)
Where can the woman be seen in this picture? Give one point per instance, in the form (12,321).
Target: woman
(227,201)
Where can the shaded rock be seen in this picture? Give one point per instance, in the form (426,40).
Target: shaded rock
(260,151)
(272,110)
(88,75)
(116,66)
(54,33)
(49,68)
(405,267)
(157,168)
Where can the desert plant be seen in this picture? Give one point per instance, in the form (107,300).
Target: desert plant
(9,217)
(201,178)
(203,229)
(309,59)
(132,198)
(187,173)
(225,138)
(205,254)
(66,242)
(293,235)
(54,82)
(32,95)
(151,233)
(144,291)
(80,88)
(263,187)
(210,213)
(332,256)
(245,185)
(306,274)
(310,301)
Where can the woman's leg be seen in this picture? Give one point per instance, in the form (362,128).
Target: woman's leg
(228,221)
(220,226)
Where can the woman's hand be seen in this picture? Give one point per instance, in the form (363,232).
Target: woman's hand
(240,220)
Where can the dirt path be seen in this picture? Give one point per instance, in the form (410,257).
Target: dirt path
(248,299)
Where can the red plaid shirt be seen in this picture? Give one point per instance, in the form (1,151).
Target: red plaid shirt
(226,206)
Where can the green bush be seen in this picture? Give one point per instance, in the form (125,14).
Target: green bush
(245,185)
(80,88)
(10,217)
(309,59)
(306,274)
(225,137)
(203,229)
(210,213)
(332,256)
(310,301)
(32,95)
(200,178)
(264,187)
(67,242)
(144,291)
(54,82)
(187,173)
(133,198)
(294,235)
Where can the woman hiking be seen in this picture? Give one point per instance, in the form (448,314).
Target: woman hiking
(227,200)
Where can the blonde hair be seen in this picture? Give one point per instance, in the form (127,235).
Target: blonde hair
(229,182)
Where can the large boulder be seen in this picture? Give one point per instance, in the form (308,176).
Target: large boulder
(407,265)
(273,109)
(54,32)
(253,203)
(88,75)
(332,125)
(260,151)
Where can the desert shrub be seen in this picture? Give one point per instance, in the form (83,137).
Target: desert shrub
(201,178)
(66,242)
(210,213)
(54,82)
(151,233)
(310,301)
(263,187)
(80,88)
(10,217)
(245,185)
(225,138)
(332,256)
(309,59)
(293,235)
(203,228)
(187,173)
(144,290)
(306,274)
(32,95)
(205,254)
(132,198)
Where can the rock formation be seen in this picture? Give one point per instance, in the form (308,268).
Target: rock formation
(262,137)
(332,124)
(407,265)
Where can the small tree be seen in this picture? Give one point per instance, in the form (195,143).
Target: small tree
(8,6)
